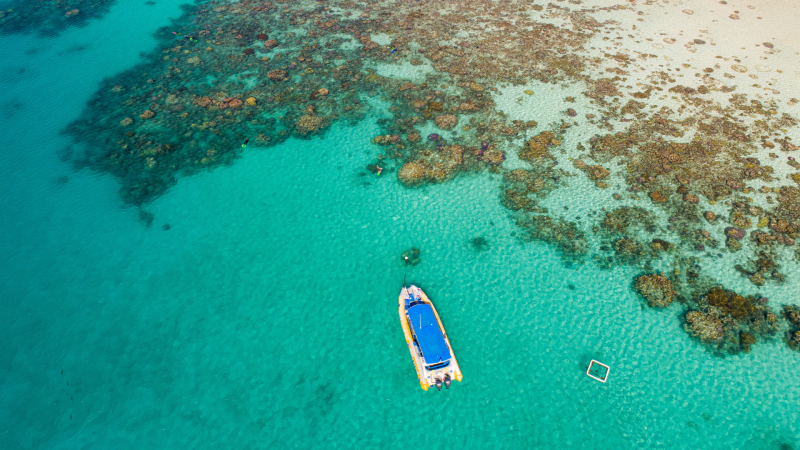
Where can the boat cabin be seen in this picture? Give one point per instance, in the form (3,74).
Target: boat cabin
(428,335)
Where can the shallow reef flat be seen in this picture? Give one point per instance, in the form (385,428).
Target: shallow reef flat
(630,134)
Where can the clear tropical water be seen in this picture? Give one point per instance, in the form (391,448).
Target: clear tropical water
(265,317)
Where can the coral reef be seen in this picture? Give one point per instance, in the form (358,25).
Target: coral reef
(412,173)
(446,121)
(656,289)
(689,178)
(792,315)
(49,18)
(732,322)
(746,340)
(705,326)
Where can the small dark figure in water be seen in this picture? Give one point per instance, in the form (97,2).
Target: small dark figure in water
(571,287)
(480,243)
(411,257)
(166,227)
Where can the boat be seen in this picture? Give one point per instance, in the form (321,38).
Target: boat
(427,341)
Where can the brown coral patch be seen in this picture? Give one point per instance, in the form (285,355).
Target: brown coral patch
(656,289)
(446,121)
(658,197)
(277,75)
(412,173)
(705,326)
(537,147)
(309,123)
(738,306)
(597,172)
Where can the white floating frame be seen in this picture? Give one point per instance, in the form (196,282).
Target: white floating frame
(589,371)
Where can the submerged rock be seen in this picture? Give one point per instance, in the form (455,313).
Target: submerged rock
(656,289)
(277,75)
(705,326)
(597,172)
(537,147)
(660,245)
(738,306)
(494,157)
(746,340)
(49,18)
(735,233)
(469,106)
(690,198)
(658,197)
(446,121)
(412,173)
(627,248)
(309,123)
(733,244)
(794,340)
(480,243)
(792,315)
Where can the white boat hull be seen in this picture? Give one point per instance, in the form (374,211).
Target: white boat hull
(427,378)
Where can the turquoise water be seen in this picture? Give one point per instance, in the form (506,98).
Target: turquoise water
(265,317)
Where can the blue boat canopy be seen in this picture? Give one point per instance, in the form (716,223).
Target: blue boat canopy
(429,335)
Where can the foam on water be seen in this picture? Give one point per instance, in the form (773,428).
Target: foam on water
(265,317)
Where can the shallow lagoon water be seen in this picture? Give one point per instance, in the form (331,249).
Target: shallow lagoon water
(265,317)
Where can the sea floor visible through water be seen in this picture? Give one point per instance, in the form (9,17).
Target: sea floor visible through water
(258,310)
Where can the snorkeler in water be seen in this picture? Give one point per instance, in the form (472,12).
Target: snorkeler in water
(245,142)
(186,37)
